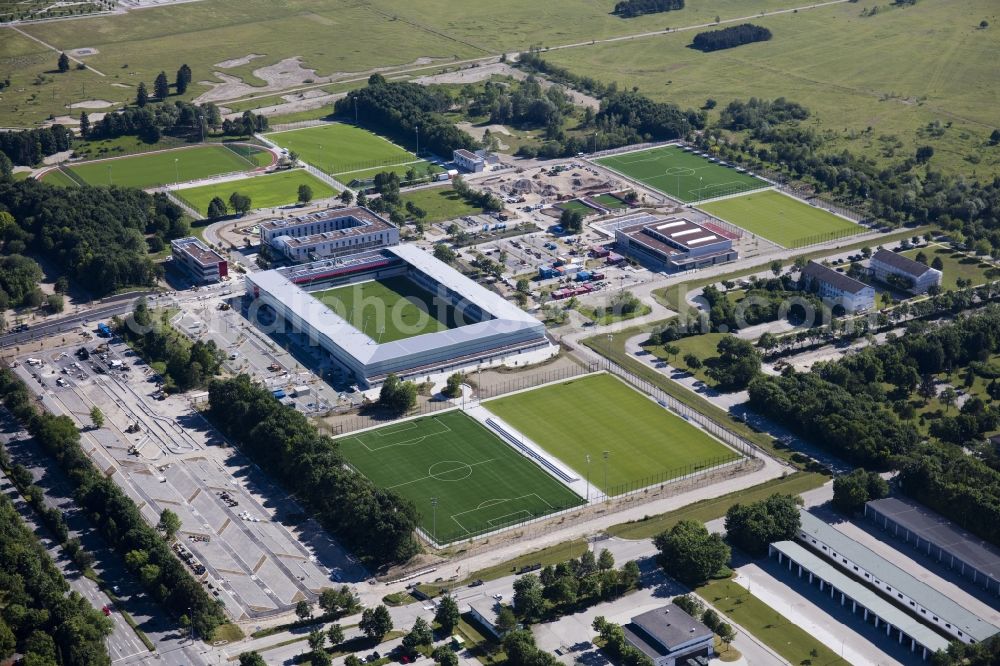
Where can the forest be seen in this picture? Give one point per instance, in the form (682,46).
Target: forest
(378,525)
(731,37)
(29,147)
(632,8)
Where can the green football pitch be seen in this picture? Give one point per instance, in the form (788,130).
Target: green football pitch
(340,149)
(782,219)
(162,168)
(480,483)
(645,443)
(681,175)
(275,189)
(390,309)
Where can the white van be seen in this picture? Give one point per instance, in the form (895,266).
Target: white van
(34,361)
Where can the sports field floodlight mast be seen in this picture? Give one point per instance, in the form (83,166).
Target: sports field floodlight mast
(606,454)
(588,477)
(177,173)
(434,523)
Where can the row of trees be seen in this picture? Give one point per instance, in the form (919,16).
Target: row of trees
(96,234)
(757,113)
(114,513)
(179,119)
(632,8)
(727,38)
(29,147)
(376,523)
(401,110)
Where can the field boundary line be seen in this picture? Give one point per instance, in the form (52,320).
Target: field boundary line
(431,476)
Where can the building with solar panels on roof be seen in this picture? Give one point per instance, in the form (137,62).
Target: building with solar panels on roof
(673,244)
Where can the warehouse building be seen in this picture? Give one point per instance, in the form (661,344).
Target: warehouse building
(203,264)
(922,601)
(937,537)
(899,271)
(672,244)
(670,636)
(836,288)
(864,602)
(332,232)
(491,331)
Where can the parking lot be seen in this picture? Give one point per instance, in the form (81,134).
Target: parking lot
(235,534)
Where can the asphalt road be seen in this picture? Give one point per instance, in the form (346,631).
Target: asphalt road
(102,312)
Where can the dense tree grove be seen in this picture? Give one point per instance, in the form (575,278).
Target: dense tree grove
(28,147)
(756,113)
(19,278)
(40,617)
(377,524)
(754,526)
(852,491)
(653,121)
(737,364)
(521,650)
(95,233)
(617,645)
(180,119)
(727,38)
(632,8)
(399,109)
(690,554)
(114,513)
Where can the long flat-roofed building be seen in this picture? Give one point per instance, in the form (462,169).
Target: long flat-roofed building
(483,327)
(328,233)
(853,295)
(672,244)
(922,601)
(202,263)
(937,537)
(894,268)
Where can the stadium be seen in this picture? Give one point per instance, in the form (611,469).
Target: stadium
(397,310)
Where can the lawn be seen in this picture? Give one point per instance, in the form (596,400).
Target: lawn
(782,219)
(679,174)
(766,624)
(703,346)
(420,167)
(646,444)
(390,309)
(338,148)
(577,206)
(268,191)
(956,265)
(480,483)
(58,177)
(162,168)
(609,201)
(440,203)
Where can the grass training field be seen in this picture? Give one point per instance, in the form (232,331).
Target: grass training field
(276,189)
(337,148)
(440,203)
(782,219)
(163,168)
(646,443)
(390,309)
(609,201)
(480,483)
(58,177)
(681,175)
(577,206)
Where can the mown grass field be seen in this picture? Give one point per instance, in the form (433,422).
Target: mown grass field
(934,64)
(162,168)
(587,416)
(610,201)
(681,175)
(956,265)
(58,177)
(782,219)
(440,203)
(480,483)
(337,148)
(390,309)
(277,189)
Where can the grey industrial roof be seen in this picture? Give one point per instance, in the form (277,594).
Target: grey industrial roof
(866,597)
(887,572)
(941,532)
(507,317)
(670,626)
(901,263)
(832,277)
(197,250)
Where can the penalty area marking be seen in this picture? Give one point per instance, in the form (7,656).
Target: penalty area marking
(442,429)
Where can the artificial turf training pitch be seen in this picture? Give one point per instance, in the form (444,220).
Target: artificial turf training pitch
(681,175)
(389,309)
(646,444)
(163,167)
(480,483)
(277,189)
(782,219)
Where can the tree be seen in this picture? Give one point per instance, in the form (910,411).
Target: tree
(924,153)
(690,605)
(605,561)
(8,642)
(352,660)
(97,416)
(55,302)
(983,25)
(852,491)
(317,639)
(445,656)
(336,634)
(726,633)
(169,524)
(671,351)
(506,620)
(217,208)
(63,63)
(947,397)
(252,659)
(571,221)
(240,203)
(305,194)
(396,395)
(937,263)
(346,197)
(182,79)
(84,124)
(320,658)
(141,95)
(738,363)
(753,526)
(161,87)
(690,554)
(444,253)
(303,609)
(376,622)
(447,614)
(995,137)
(776,267)
(528,602)
(420,635)
(523,285)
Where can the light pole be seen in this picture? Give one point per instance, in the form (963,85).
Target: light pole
(434,523)
(177,173)
(588,477)
(110,181)
(416,130)
(606,454)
